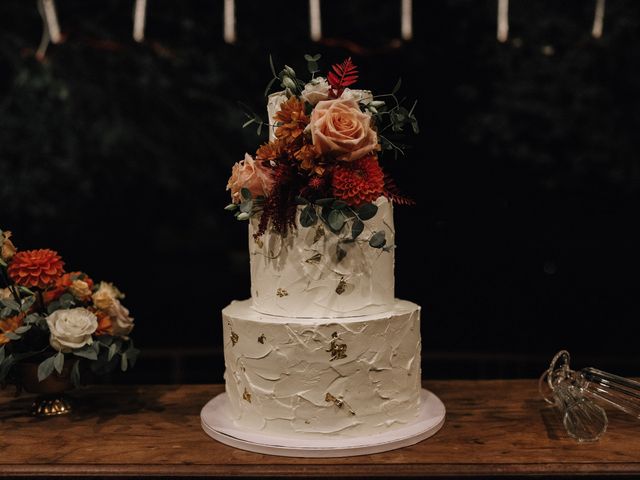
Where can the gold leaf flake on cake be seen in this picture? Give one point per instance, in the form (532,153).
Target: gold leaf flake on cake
(315,259)
(234,338)
(262,338)
(337,348)
(342,286)
(246,396)
(281,292)
(319,233)
(338,402)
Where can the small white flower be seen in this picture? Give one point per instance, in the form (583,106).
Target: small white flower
(71,328)
(315,91)
(360,96)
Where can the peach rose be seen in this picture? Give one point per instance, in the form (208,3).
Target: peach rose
(339,128)
(252,175)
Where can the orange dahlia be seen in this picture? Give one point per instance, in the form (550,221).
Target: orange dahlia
(36,268)
(78,283)
(9,325)
(292,119)
(358,182)
(270,152)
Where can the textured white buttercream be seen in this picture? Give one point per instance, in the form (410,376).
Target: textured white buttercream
(354,376)
(301,275)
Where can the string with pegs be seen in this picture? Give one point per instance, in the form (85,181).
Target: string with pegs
(229,21)
(315,20)
(598,19)
(503,20)
(139,19)
(50,27)
(406,21)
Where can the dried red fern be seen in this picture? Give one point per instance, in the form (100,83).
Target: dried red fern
(392,192)
(342,76)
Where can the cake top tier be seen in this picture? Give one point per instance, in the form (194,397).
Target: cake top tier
(324,154)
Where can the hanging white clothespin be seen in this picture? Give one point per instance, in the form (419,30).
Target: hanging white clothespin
(598,19)
(229,21)
(503,20)
(406,23)
(315,25)
(50,26)
(139,20)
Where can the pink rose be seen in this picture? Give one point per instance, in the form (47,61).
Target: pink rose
(252,175)
(339,128)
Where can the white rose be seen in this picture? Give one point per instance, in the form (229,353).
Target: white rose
(122,322)
(71,328)
(315,91)
(360,96)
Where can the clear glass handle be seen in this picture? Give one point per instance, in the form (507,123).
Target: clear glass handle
(617,391)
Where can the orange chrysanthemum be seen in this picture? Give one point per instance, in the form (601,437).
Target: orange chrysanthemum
(270,152)
(36,268)
(358,182)
(9,325)
(292,119)
(64,283)
(308,155)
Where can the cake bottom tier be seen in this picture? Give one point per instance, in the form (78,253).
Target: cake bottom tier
(315,377)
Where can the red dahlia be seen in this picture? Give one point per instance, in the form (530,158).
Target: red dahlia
(358,182)
(36,268)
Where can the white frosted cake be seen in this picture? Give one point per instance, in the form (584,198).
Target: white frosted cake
(323,347)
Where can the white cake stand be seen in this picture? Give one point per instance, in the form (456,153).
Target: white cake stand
(218,425)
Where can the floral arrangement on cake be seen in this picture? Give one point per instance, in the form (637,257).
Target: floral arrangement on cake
(58,318)
(324,158)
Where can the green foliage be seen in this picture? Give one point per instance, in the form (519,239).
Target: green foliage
(378,239)
(46,368)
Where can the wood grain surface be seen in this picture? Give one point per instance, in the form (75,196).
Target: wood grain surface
(492,428)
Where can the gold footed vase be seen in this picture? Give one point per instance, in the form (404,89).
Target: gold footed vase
(52,399)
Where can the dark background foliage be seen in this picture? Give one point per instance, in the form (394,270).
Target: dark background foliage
(526,170)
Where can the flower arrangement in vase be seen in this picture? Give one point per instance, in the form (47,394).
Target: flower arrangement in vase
(323,157)
(56,324)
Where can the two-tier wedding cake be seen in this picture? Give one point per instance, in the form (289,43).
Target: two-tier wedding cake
(323,349)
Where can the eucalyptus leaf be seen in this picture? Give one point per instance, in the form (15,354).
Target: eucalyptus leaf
(246,193)
(13,336)
(231,207)
(75,374)
(308,216)
(58,362)
(301,200)
(23,329)
(27,303)
(45,368)
(357,228)
(2,354)
(323,202)
(88,351)
(132,356)
(273,69)
(124,364)
(113,349)
(10,303)
(269,85)
(243,216)
(378,239)
(6,312)
(367,211)
(336,220)
(339,204)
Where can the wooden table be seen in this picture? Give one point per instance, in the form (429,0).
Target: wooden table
(492,428)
